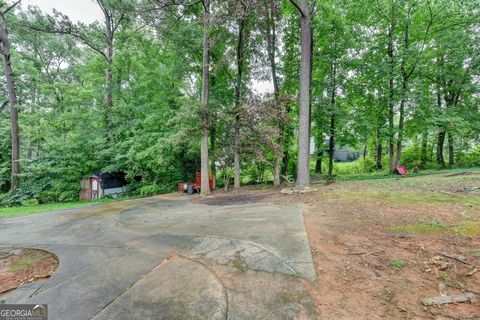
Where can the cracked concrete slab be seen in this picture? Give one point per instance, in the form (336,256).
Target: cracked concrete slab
(113,251)
(179,288)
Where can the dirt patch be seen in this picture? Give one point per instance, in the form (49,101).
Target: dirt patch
(237,199)
(381,246)
(18,266)
(379,252)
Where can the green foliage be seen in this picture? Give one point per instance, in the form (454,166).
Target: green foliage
(469,159)
(153,189)
(355,167)
(152,128)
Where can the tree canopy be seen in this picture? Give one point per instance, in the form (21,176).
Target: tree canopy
(160,89)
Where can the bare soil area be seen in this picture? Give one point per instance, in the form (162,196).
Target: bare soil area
(380,246)
(235,199)
(19,266)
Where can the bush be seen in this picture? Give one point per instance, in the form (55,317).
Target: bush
(411,157)
(24,193)
(469,159)
(30,202)
(154,189)
(355,167)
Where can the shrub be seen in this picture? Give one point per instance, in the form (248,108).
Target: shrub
(469,159)
(30,202)
(153,189)
(355,167)
(411,157)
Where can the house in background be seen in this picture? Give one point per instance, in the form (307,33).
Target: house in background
(345,154)
(100,185)
(340,154)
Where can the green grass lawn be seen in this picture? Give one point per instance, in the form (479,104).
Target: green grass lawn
(26,210)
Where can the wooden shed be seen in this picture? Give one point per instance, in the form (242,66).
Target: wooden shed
(99,185)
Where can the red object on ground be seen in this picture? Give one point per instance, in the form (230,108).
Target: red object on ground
(197,184)
(198,181)
(402,170)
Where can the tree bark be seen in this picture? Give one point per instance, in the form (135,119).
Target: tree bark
(109,34)
(440,144)
(441,133)
(405,79)
(276,169)
(401,121)
(303,167)
(238,96)
(271,47)
(205,186)
(391,88)
(331,148)
(423,157)
(12,98)
(318,163)
(451,154)
(286,158)
(378,148)
(331,145)
(213,159)
(286,138)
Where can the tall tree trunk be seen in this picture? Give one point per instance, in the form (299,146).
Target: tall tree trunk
(109,86)
(271,35)
(440,144)
(238,95)
(423,157)
(451,98)
(281,126)
(303,167)
(451,154)
(12,98)
(310,91)
(205,186)
(401,120)
(391,88)
(441,133)
(286,158)
(31,140)
(236,159)
(331,149)
(109,77)
(318,163)
(286,139)
(331,145)
(378,148)
(276,166)
(405,79)
(213,158)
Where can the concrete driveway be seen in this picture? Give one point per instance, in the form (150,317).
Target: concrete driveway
(168,258)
